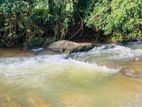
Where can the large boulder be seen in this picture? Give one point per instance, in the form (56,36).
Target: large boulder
(133,69)
(65,46)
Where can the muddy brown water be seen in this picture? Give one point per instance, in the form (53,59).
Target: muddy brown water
(13,52)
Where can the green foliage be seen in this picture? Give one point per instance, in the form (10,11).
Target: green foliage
(22,22)
(121,19)
(82,7)
(30,22)
(60,16)
(40,12)
(16,23)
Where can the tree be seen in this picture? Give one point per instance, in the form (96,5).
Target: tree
(121,19)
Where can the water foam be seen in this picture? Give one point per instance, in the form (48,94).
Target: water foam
(45,65)
(112,51)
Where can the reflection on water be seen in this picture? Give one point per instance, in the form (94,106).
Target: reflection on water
(52,81)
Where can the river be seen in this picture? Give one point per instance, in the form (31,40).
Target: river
(88,79)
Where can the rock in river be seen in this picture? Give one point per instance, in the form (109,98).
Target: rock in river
(133,69)
(65,46)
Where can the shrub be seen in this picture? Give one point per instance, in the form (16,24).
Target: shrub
(60,16)
(121,19)
(17,27)
(22,22)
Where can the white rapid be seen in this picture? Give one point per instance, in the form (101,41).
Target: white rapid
(110,54)
(82,80)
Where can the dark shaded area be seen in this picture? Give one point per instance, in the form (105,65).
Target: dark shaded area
(31,23)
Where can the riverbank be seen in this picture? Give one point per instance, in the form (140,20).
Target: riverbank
(52,48)
(59,47)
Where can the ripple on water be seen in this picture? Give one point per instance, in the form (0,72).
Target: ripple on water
(54,81)
(109,54)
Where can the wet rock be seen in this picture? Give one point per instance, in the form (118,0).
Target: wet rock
(42,51)
(136,59)
(110,46)
(65,46)
(134,69)
(36,51)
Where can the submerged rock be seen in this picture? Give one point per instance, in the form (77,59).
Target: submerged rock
(65,46)
(134,69)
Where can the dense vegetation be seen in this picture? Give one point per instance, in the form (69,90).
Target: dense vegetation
(31,22)
(121,19)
